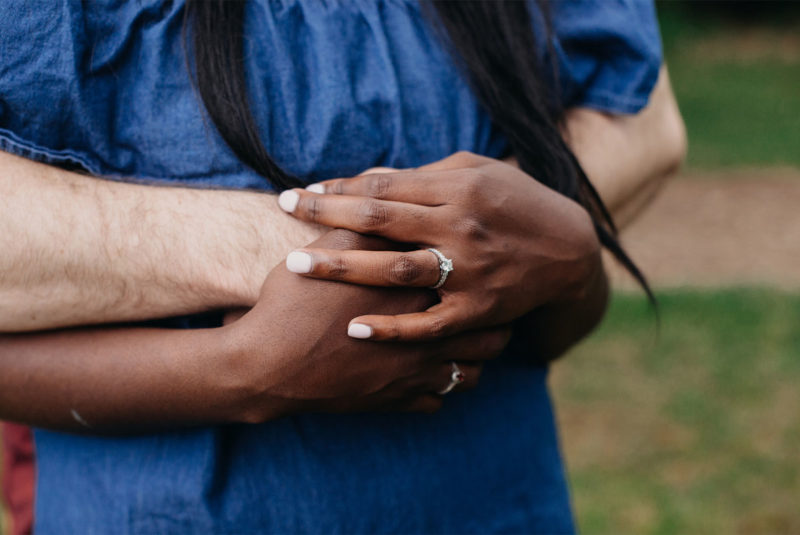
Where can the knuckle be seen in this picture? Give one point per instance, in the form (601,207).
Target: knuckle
(471,184)
(465,158)
(379,186)
(484,266)
(313,208)
(436,327)
(372,215)
(336,187)
(488,308)
(475,176)
(471,228)
(391,332)
(404,271)
(336,268)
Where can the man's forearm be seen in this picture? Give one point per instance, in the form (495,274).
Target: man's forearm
(78,250)
(628,157)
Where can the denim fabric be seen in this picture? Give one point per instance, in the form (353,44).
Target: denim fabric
(609,52)
(336,87)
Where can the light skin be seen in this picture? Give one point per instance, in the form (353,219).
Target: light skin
(80,251)
(267,363)
(215,247)
(260,367)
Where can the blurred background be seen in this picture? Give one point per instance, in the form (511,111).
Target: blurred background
(694,426)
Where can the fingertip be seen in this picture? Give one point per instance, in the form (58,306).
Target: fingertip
(359,330)
(299,262)
(316,188)
(288,200)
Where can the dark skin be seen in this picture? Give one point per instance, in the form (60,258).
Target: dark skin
(179,379)
(288,354)
(520,250)
(523,254)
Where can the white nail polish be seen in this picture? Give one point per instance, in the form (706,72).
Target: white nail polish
(359,330)
(288,200)
(316,188)
(298,262)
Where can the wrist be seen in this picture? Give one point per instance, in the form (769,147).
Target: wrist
(551,329)
(584,273)
(248,254)
(265,235)
(241,378)
(589,277)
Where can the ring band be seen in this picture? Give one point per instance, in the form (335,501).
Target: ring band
(445,267)
(456,378)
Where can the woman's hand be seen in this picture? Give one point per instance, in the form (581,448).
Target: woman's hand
(289,353)
(288,370)
(515,244)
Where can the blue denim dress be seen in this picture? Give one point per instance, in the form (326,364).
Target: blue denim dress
(337,87)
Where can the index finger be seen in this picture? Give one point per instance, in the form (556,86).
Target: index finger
(398,221)
(427,188)
(440,321)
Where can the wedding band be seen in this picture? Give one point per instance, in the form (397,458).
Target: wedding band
(455,378)
(445,267)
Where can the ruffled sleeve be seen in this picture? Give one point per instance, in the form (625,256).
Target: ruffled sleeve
(608,52)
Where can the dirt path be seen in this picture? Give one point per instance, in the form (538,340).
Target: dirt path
(712,230)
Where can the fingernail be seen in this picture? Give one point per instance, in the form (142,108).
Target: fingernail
(288,200)
(298,262)
(359,330)
(316,188)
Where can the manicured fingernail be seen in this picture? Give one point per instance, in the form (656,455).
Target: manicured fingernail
(298,262)
(316,188)
(288,200)
(359,330)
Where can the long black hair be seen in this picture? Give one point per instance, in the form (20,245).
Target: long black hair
(492,41)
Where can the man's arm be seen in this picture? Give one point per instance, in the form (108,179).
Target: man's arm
(289,353)
(77,250)
(629,157)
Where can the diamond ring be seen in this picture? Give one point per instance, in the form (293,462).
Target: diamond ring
(445,267)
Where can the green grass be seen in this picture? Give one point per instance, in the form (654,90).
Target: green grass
(738,85)
(740,116)
(691,430)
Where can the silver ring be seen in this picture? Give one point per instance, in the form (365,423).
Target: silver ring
(456,378)
(445,267)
